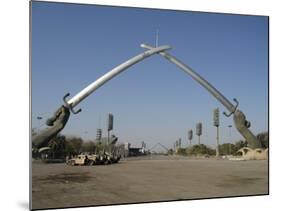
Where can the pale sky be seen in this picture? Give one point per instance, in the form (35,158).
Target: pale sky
(153,101)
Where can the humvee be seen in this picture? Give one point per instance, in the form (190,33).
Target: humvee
(89,160)
(83,160)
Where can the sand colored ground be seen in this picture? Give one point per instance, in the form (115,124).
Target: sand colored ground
(145,179)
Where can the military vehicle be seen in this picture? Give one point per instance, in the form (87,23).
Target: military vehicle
(96,159)
(107,150)
(83,160)
(111,158)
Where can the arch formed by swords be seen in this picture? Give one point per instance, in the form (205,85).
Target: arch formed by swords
(239,118)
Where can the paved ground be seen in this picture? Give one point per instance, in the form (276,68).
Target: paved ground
(146,179)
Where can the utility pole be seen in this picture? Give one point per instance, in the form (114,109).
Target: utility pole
(199,131)
(216,124)
(109,128)
(190,134)
(157,38)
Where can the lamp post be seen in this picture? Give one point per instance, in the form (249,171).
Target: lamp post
(229,148)
(216,124)
(199,131)
(190,135)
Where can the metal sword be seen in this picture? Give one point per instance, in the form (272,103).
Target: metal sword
(242,125)
(75,100)
(230,107)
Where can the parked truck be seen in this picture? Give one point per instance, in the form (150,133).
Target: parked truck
(96,159)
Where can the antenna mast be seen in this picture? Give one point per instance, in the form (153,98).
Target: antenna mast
(157,37)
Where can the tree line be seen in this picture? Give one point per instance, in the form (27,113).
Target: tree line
(62,146)
(224,149)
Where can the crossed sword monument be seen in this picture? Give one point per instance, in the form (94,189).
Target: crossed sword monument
(61,116)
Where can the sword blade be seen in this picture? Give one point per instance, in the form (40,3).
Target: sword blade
(210,88)
(75,100)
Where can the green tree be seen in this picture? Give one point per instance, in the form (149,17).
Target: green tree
(88,146)
(69,149)
(263,138)
(170,151)
(75,144)
(227,149)
(200,149)
(181,151)
(57,147)
(240,144)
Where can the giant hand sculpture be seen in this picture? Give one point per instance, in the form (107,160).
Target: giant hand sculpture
(56,123)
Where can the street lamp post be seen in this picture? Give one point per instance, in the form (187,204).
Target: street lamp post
(216,124)
(199,131)
(229,149)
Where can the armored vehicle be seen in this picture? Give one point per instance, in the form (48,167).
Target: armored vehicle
(83,160)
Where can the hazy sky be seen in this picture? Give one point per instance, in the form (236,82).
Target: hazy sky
(153,101)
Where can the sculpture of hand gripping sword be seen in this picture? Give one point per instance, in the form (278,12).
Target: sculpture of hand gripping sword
(61,116)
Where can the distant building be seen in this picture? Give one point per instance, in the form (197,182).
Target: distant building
(134,151)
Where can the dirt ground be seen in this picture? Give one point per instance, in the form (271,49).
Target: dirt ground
(159,178)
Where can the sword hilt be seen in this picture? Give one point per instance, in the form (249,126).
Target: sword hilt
(69,106)
(237,103)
